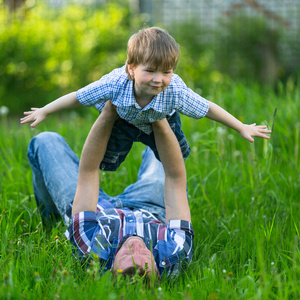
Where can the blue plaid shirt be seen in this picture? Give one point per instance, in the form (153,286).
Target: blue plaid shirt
(116,87)
(102,233)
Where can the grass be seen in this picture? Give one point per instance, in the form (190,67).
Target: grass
(244,201)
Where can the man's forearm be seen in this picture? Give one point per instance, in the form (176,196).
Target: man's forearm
(87,191)
(177,207)
(96,142)
(169,150)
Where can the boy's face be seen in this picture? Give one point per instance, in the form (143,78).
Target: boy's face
(149,82)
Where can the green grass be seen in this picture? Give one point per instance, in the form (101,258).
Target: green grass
(244,201)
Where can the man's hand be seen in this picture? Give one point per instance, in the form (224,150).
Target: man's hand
(248,131)
(36,115)
(110,110)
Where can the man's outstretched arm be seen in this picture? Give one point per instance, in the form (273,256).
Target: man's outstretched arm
(87,191)
(176,203)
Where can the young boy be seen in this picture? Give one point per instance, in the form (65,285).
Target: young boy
(145,90)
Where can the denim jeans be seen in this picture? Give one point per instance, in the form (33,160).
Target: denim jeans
(55,173)
(124,134)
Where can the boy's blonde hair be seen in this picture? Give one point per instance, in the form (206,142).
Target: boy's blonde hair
(152,46)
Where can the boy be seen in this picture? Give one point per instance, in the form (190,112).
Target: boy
(145,90)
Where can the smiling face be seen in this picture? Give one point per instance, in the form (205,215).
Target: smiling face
(134,253)
(149,82)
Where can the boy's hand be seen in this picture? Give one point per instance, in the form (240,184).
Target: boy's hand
(36,115)
(248,131)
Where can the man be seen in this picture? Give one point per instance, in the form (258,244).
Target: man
(147,227)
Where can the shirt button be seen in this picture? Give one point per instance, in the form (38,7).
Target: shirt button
(163,263)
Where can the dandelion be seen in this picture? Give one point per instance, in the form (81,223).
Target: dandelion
(37,277)
(231,137)
(119,271)
(230,274)
(195,149)
(272,263)
(22,221)
(237,153)
(221,130)
(95,256)
(159,289)
(188,286)
(56,237)
(224,271)
(65,272)
(3,211)
(4,110)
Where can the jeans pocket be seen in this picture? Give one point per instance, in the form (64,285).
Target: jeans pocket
(111,157)
(112,160)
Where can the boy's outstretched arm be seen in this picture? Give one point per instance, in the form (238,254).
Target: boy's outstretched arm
(87,192)
(220,115)
(38,115)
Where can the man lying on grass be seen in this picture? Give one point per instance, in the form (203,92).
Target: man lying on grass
(146,228)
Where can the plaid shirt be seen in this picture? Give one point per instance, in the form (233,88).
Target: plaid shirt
(116,87)
(102,233)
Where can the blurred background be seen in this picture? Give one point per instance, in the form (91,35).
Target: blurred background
(52,47)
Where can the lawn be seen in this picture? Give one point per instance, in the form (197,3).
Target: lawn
(244,202)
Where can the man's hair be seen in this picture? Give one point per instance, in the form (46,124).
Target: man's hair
(147,277)
(152,46)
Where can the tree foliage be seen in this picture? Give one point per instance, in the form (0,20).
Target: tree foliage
(50,52)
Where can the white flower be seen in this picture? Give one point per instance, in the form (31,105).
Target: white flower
(4,110)
(221,130)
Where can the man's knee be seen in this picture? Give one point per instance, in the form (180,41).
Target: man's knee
(39,142)
(45,137)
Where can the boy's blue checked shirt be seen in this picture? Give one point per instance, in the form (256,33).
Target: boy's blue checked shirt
(116,87)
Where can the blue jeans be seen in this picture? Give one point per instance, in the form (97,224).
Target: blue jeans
(124,134)
(55,172)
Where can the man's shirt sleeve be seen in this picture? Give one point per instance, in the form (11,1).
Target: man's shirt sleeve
(175,251)
(87,235)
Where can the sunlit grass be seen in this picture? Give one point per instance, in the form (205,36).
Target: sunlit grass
(244,200)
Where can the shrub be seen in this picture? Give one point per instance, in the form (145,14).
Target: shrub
(51,52)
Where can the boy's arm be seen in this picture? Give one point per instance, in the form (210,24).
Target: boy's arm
(175,197)
(220,115)
(38,115)
(87,191)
